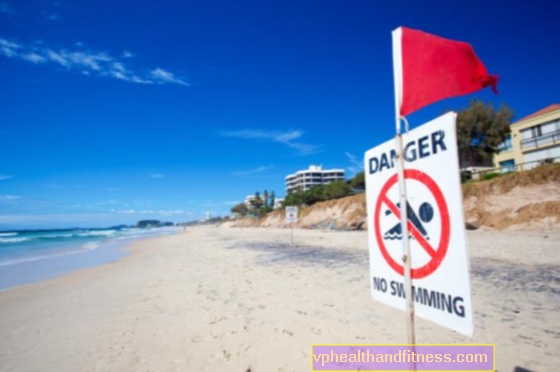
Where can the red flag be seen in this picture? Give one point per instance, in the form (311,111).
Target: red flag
(434,68)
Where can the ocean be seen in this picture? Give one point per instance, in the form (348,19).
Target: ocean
(34,255)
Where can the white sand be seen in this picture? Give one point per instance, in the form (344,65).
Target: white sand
(221,299)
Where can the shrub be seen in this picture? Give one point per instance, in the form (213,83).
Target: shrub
(489,176)
(359,181)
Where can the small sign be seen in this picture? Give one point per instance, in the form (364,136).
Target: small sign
(291,214)
(439,251)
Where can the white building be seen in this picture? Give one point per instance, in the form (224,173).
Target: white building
(278,203)
(315,175)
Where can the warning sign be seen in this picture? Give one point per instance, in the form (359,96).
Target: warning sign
(434,209)
(416,221)
(291,214)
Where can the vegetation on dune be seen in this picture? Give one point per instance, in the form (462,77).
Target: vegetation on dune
(257,206)
(240,209)
(333,190)
(359,181)
(540,175)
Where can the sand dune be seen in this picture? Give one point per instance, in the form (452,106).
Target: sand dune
(220,299)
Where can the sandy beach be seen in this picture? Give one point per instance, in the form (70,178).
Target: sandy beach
(227,299)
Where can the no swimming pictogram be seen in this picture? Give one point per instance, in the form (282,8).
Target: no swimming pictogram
(385,206)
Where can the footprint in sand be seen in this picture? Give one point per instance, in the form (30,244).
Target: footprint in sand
(219,319)
(284,331)
(316,331)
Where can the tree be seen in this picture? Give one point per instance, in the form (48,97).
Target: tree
(257,201)
(333,190)
(272,199)
(359,181)
(480,130)
(148,223)
(265,200)
(240,209)
(336,189)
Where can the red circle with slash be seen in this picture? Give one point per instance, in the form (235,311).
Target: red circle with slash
(436,255)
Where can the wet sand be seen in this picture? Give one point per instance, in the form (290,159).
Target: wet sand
(214,299)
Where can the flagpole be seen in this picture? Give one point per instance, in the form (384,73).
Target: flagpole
(398,80)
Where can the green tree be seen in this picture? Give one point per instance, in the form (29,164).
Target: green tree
(480,130)
(240,209)
(266,196)
(333,190)
(294,198)
(257,201)
(272,199)
(336,189)
(359,181)
(262,211)
(314,195)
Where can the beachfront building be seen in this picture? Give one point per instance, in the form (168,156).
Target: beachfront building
(315,175)
(249,201)
(277,203)
(533,140)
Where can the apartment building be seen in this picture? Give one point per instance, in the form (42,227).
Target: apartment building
(533,140)
(315,175)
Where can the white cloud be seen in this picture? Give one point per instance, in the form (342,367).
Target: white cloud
(286,138)
(160,76)
(9,197)
(5,177)
(157,175)
(231,202)
(356,165)
(260,169)
(87,62)
(124,211)
(171,212)
(33,57)
(9,48)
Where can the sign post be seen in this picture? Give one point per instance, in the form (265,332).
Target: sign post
(291,217)
(427,271)
(431,279)
(397,72)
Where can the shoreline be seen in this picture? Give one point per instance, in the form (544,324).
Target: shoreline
(242,299)
(126,251)
(66,262)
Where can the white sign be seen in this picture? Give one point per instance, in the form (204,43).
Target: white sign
(439,250)
(291,214)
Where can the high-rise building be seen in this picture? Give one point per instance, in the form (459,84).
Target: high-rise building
(315,175)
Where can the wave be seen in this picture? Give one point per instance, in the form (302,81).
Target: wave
(9,234)
(97,233)
(56,236)
(13,240)
(86,247)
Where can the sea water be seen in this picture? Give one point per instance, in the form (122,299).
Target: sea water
(34,255)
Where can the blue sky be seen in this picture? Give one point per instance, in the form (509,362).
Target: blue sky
(115,111)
